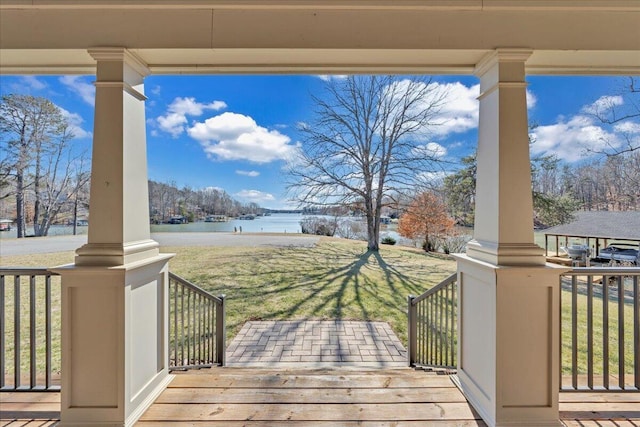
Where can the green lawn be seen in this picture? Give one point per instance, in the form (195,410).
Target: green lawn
(336,279)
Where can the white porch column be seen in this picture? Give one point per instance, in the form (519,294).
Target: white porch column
(508,323)
(115,297)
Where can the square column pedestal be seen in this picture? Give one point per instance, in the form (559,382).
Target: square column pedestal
(114,341)
(508,346)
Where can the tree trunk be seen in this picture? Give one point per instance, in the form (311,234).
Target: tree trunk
(20,204)
(373,225)
(372,236)
(75,215)
(36,188)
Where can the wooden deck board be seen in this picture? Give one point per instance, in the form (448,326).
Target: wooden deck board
(30,423)
(323,398)
(432,423)
(600,423)
(279,412)
(234,397)
(599,397)
(317,381)
(309,395)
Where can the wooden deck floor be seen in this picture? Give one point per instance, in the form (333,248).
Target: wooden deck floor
(234,397)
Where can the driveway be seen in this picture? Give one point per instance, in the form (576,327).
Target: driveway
(39,245)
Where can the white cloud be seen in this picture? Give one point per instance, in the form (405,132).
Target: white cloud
(431,149)
(575,137)
(459,112)
(254,196)
(75,124)
(32,82)
(627,127)
(571,139)
(432,177)
(252,174)
(85,90)
(460,108)
(327,77)
(603,104)
(175,119)
(531,100)
(231,136)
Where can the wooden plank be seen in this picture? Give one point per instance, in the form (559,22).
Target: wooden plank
(26,397)
(400,423)
(308,381)
(310,412)
(31,423)
(346,372)
(599,423)
(599,397)
(320,396)
(601,407)
(29,407)
(600,411)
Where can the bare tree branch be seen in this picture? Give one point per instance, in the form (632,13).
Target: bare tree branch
(367,142)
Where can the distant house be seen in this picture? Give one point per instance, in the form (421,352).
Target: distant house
(5,224)
(596,229)
(178,219)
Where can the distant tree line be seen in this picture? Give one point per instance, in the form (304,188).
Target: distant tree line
(44,177)
(559,190)
(167,200)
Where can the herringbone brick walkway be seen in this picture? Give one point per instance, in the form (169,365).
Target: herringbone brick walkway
(316,343)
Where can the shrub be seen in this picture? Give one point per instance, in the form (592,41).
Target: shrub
(388,241)
(318,226)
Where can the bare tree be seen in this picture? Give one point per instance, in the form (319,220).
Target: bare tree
(622,113)
(38,158)
(368,141)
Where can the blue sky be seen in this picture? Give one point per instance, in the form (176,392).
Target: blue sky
(235,132)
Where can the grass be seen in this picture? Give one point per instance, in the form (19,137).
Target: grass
(336,279)
(598,328)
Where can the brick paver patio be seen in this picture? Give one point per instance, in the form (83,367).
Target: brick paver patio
(316,343)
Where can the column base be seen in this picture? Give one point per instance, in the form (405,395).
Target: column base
(517,254)
(114,341)
(114,254)
(508,341)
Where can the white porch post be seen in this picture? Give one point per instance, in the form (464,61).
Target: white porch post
(114,299)
(508,323)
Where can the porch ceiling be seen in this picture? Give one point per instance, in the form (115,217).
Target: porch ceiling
(321,36)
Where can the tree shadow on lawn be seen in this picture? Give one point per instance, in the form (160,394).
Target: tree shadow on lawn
(329,281)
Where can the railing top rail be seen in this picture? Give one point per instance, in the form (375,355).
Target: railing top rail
(602,271)
(25,271)
(194,288)
(435,289)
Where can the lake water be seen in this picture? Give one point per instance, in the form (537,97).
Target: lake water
(275,223)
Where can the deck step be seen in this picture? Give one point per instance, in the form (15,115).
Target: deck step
(310,397)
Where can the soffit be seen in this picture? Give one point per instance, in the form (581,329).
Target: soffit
(443,37)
